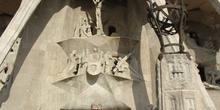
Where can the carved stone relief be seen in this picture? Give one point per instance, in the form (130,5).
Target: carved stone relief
(213,76)
(93,74)
(190,104)
(96,62)
(178,72)
(190,100)
(91,70)
(172,100)
(178,84)
(180,100)
(209,44)
(3,72)
(83,28)
(5,75)
(6,68)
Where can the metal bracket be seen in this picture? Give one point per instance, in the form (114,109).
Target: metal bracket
(171,24)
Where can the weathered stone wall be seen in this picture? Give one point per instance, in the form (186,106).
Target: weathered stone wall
(40,58)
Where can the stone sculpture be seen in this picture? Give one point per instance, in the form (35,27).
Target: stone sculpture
(3,74)
(99,27)
(210,86)
(85,29)
(209,44)
(121,69)
(94,71)
(213,76)
(94,63)
(71,63)
(95,66)
(3,67)
(5,81)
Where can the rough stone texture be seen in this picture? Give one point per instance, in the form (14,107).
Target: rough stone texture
(214,95)
(40,59)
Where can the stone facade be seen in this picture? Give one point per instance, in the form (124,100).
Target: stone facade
(103,54)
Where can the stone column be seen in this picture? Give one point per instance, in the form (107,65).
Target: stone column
(179,85)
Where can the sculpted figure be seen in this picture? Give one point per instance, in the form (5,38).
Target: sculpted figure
(98,5)
(107,60)
(5,75)
(120,67)
(3,71)
(3,66)
(77,28)
(211,76)
(85,29)
(209,44)
(71,63)
(95,63)
(214,76)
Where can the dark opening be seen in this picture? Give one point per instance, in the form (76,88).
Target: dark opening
(77,68)
(218,82)
(111,30)
(195,37)
(117,2)
(202,72)
(92,30)
(11,50)
(6,70)
(2,30)
(5,14)
(195,9)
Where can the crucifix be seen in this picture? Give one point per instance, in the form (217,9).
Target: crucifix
(98,6)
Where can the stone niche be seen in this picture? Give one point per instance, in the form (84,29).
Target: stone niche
(202,38)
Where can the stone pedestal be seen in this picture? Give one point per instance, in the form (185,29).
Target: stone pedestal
(179,85)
